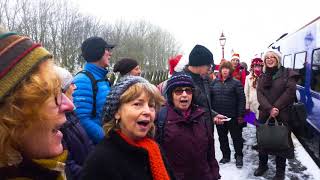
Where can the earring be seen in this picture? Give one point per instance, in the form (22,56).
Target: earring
(117,121)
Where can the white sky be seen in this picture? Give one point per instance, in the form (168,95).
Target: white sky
(249,25)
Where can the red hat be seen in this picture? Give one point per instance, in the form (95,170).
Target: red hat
(235,56)
(173,61)
(256,61)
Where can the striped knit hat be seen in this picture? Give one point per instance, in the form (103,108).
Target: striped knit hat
(18,57)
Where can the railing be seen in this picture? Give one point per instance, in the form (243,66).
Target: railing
(154,77)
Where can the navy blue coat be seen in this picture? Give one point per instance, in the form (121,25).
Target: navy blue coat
(78,144)
(228,97)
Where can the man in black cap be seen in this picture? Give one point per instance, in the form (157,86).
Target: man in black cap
(92,86)
(200,63)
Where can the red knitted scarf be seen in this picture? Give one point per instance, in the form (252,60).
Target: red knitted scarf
(158,169)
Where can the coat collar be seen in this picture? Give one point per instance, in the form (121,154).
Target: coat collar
(96,70)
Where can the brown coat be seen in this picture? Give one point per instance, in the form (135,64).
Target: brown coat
(279,93)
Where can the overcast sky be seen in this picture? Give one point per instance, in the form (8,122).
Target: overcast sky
(249,25)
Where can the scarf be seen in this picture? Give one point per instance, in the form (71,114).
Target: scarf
(157,166)
(270,72)
(37,168)
(55,164)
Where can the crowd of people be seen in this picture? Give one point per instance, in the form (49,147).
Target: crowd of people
(54,125)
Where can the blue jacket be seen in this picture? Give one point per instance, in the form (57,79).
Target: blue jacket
(82,99)
(78,144)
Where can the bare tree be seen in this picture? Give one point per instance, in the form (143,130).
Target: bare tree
(61,28)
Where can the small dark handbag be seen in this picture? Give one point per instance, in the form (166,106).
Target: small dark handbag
(273,137)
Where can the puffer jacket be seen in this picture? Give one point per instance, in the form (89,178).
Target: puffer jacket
(83,101)
(228,97)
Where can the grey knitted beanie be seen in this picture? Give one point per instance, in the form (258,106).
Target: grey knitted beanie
(113,99)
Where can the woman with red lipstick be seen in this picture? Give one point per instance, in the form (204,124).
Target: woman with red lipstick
(128,151)
(32,110)
(186,138)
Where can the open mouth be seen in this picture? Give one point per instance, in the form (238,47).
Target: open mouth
(143,123)
(184,102)
(56,129)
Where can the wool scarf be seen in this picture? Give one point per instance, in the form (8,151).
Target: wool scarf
(157,166)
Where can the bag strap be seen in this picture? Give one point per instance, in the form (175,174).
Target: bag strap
(160,123)
(94,90)
(275,121)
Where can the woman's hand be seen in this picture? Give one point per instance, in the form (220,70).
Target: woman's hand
(274,112)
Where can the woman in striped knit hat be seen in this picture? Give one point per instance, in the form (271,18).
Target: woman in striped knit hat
(32,109)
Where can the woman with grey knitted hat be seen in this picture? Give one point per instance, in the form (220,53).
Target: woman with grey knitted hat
(128,150)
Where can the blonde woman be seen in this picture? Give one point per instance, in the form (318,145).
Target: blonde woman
(276,92)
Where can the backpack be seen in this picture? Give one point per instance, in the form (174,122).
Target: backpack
(94,84)
(160,124)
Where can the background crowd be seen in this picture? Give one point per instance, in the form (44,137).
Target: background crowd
(56,126)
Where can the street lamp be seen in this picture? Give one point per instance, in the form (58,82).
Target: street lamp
(222,40)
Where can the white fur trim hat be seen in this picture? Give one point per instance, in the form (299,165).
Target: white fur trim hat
(276,53)
(235,56)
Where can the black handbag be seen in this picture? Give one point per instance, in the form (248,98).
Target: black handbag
(273,136)
(298,117)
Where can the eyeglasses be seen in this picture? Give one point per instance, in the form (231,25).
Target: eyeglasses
(179,91)
(271,57)
(59,97)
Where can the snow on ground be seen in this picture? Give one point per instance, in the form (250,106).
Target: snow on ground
(302,167)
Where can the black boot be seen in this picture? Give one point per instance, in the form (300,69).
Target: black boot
(280,168)
(279,175)
(239,161)
(224,160)
(260,170)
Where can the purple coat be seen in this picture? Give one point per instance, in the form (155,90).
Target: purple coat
(78,144)
(189,145)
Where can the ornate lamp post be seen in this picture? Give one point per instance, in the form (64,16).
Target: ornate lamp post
(222,40)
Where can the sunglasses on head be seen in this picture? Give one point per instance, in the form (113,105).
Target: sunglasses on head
(179,90)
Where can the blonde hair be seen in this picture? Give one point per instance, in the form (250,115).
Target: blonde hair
(22,108)
(276,54)
(131,94)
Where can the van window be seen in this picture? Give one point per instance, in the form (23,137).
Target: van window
(315,73)
(299,60)
(287,61)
